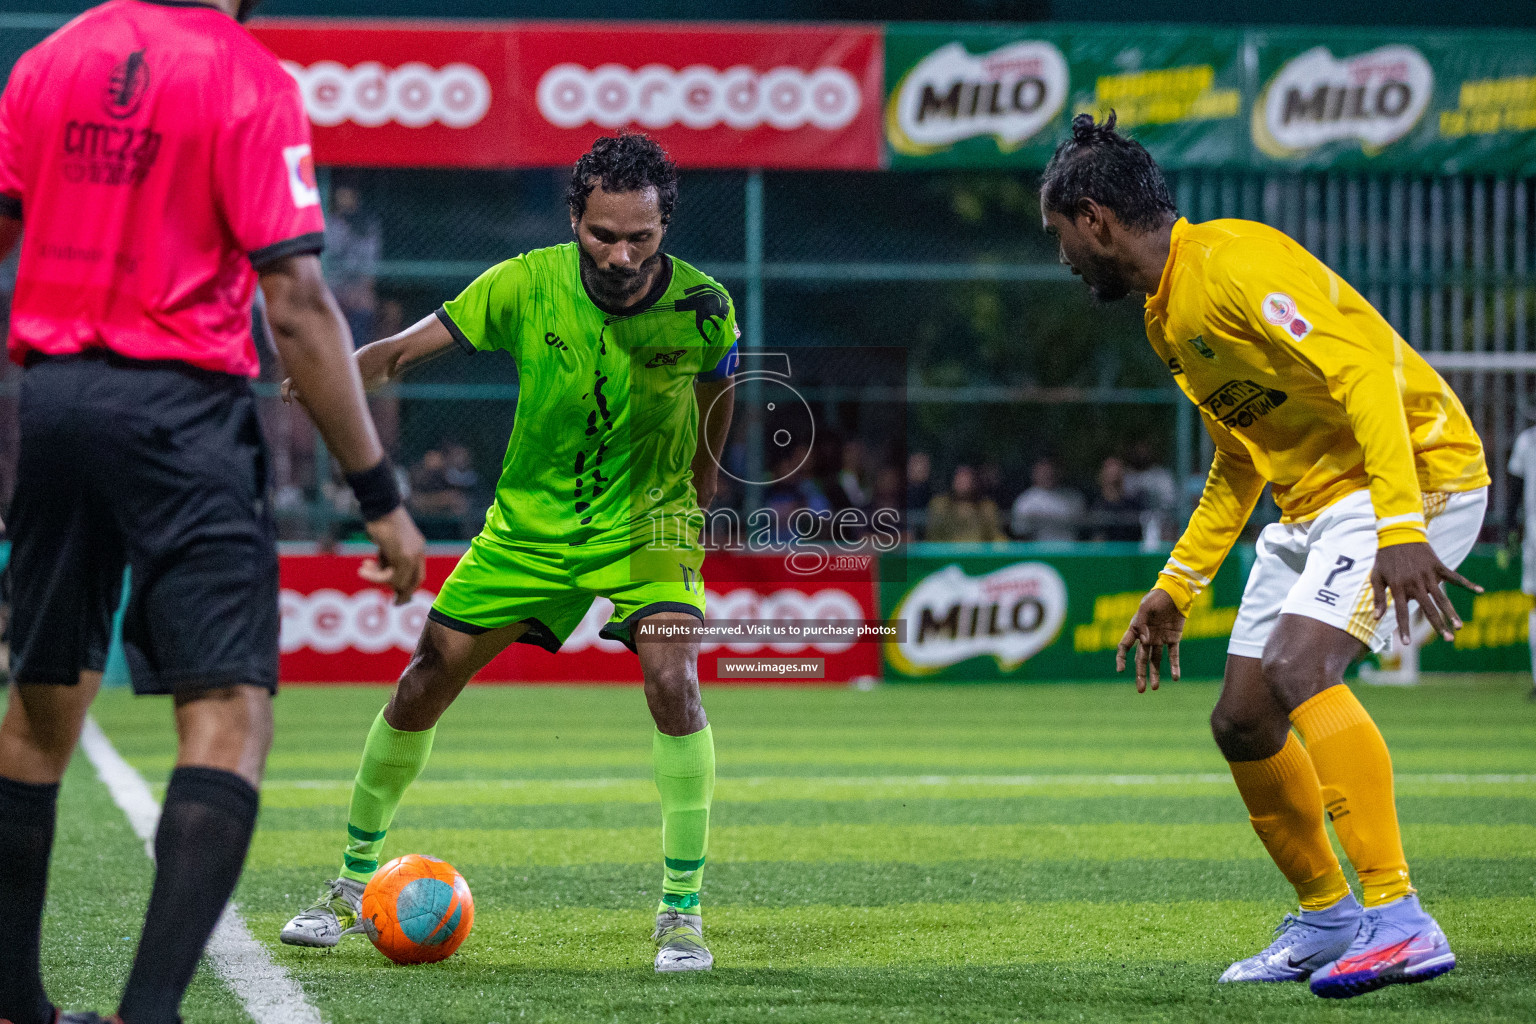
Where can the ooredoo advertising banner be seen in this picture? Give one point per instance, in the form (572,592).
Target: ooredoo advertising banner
(388,94)
(531,94)
(338,629)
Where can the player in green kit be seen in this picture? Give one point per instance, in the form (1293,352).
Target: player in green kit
(618,346)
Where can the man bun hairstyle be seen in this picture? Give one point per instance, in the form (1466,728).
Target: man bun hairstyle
(626,162)
(1118,173)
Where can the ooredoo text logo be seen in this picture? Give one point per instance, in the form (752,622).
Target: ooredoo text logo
(328,621)
(413,94)
(1374,97)
(657,96)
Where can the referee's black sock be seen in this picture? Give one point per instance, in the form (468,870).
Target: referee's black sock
(205,831)
(27,814)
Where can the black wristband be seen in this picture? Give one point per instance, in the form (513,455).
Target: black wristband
(376,490)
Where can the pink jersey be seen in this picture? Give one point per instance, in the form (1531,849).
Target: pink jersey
(157,156)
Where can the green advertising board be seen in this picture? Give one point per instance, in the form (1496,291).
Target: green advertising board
(1021,612)
(1260,99)
(1044,612)
(1496,623)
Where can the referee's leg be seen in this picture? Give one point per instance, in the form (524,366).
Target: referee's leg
(41,726)
(205,830)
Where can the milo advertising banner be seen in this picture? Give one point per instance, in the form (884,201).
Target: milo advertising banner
(1009,613)
(974,96)
(1271,99)
(1430,103)
(1024,612)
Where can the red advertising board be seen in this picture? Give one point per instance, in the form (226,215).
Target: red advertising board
(339,629)
(531,94)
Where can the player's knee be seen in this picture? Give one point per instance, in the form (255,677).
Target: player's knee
(672,690)
(1245,735)
(1292,673)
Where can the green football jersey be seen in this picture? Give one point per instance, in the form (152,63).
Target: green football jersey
(606,423)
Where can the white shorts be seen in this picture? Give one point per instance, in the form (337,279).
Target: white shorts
(1322,568)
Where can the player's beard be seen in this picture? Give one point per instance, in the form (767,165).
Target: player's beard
(616,286)
(1104,279)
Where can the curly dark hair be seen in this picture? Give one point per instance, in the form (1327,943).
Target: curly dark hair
(1118,173)
(627,162)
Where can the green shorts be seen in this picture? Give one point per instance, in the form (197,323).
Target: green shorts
(551,586)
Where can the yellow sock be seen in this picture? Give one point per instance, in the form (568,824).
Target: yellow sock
(1356,775)
(1285,805)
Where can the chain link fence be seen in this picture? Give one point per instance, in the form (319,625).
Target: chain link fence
(1005,359)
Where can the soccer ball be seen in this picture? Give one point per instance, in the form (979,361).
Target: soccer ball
(417,909)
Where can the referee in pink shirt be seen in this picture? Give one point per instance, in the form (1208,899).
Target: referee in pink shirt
(158,158)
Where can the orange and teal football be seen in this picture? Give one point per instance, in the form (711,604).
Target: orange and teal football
(417,909)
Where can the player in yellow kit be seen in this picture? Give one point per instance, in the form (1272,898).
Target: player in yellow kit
(1382,486)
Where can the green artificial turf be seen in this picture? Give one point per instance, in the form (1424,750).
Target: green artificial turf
(915,853)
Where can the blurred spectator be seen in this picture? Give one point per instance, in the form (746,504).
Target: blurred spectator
(440,505)
(1047,510)
(1153,485)
(853,476)
(989,481)
(1114,514)
(890,493)
(919,491)
(794,490)
(963,514)
(459,468)
(353,243)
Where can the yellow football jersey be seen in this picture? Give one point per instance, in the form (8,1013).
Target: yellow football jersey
(1301,383)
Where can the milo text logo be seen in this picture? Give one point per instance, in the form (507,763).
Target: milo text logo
(1239,403)
(1011,614)
(1374,97)
(1010,94)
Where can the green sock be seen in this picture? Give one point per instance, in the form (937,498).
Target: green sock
(391,761)
(685,777)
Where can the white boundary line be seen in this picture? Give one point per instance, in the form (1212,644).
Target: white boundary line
(1203,778)
(270,996)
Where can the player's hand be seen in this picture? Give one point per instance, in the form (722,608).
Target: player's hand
(401,563)
(1158,623)
(1413,572)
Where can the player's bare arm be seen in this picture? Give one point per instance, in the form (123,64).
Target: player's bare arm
(717,402)
(1157,624)
(312,338)
(388,358)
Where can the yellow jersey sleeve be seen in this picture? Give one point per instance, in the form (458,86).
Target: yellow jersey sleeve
(1232,488)
(1260,290)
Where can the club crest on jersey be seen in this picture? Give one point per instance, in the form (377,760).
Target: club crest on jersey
(706,302)
(126,86)
(301,176)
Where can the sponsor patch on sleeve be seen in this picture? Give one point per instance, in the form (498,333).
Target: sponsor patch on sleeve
(301,176)
(1279,308)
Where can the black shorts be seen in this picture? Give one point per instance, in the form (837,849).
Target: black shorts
(160,467)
